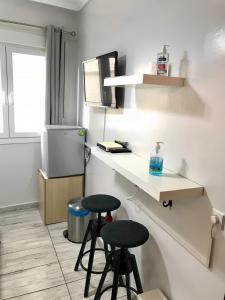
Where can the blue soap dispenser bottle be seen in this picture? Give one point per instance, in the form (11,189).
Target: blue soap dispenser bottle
(156,161)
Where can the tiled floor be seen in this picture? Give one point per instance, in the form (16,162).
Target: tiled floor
(36,262)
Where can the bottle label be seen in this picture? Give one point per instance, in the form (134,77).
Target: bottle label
(162,67)
(156,165)
(162,58)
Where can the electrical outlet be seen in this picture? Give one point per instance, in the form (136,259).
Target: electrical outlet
(221,217)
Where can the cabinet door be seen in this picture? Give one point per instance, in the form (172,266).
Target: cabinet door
(58,192)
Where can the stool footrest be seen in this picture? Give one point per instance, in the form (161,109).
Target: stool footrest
(84,268)
(119,285)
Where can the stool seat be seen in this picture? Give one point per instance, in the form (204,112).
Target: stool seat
(100,203)
(125,234)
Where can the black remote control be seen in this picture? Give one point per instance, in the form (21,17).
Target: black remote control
(119,150)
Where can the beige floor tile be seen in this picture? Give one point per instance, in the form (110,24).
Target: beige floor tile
(68,271)
(57,293)
(77,289)
(56,232)
(22,230)
(66,250)
(68,267)
(29,263)
(32,280)
(133,297)
(18,217)
(24,239)
(22,260)
(18,232)
(16,228)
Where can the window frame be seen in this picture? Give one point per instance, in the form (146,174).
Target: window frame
(10,49)
(4,86)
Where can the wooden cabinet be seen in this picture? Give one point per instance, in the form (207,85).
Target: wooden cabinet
(55,194)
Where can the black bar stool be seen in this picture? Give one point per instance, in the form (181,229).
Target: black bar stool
(123,235)
(98,204)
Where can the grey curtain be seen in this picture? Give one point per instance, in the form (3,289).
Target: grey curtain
(55,76)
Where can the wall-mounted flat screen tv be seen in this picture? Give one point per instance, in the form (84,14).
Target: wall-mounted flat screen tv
(95,71)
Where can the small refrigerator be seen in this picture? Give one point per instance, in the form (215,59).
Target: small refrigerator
(62,150)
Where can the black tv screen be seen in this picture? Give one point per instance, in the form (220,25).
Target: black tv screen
(95,71)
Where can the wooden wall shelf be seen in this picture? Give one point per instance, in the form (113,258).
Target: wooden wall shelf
(144,79)
(169,186)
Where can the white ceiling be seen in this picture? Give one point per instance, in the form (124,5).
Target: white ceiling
(68,4)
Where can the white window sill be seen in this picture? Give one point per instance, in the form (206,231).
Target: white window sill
(24,140)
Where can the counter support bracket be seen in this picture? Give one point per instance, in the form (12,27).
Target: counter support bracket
(168,203)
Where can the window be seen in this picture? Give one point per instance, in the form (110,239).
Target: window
(25,98)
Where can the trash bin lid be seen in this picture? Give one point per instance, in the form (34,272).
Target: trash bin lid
(76,209)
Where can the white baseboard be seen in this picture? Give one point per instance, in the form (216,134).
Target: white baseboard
(18,206)
(152,295)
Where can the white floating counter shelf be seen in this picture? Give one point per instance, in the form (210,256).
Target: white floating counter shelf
(169,186)
(144,79)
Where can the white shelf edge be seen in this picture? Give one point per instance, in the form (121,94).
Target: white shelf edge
(123,80)
(168,187)
(144,79)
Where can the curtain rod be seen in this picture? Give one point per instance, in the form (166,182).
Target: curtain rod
(72,33)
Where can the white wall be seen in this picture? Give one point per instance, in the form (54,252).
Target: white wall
(19,162)
(18,173)
(189,120)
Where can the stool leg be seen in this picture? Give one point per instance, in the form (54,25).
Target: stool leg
(121,280)
(127,286)
(136,275)
(116,276)
(88,230)
(106,250)
(103,277)
(91,259)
